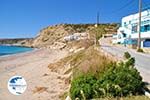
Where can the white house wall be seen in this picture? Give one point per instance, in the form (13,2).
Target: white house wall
(130,27)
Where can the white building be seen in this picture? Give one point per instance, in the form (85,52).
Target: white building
(76,36)
(129,30)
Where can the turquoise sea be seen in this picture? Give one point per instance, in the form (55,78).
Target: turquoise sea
(8,50)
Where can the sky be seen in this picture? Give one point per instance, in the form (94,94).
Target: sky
(25,18)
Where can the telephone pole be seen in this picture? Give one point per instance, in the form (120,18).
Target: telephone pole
(96,25)
(140,10)
(97,18)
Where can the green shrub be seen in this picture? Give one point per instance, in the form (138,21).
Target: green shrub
(127,55)
(140,50)
(130,62)
(83,83)
(120,80)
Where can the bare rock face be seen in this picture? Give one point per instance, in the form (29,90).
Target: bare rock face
(49,36)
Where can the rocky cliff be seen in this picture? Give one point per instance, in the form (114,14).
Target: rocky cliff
(52,34)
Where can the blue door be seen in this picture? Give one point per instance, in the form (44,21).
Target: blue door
(146,43)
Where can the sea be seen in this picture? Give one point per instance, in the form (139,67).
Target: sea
(8,50)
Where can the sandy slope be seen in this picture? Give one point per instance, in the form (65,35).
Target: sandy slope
(33,67)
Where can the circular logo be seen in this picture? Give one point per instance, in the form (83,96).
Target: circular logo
(17,85)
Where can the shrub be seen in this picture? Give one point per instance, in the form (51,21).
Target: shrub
(81,87)
(130,62)
(140,50)
(119,80)
(127,55)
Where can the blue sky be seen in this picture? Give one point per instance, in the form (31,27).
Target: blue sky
(25,18)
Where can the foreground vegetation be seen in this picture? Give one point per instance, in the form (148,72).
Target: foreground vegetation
(104,78)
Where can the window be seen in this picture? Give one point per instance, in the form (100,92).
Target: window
(129,22)
(145,28)
(134,29)
(124,35)
(125,24)
(142,29)
(147,40)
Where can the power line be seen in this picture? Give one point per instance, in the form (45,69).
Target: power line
(124,6)
(128,5)
(145,5)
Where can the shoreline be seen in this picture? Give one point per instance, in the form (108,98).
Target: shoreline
(16,45)
(33,66)
(22,52)
(19,53)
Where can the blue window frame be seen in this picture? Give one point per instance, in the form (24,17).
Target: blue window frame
(145,28)
(142,29)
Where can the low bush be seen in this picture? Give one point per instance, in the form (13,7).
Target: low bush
(81,87)
(120,80)
(127,55)
(140,50)
(130,62)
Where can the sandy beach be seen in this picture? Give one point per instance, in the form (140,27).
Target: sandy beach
(42,84)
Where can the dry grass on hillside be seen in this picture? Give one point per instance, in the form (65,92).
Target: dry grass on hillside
(85,43)
(88,60)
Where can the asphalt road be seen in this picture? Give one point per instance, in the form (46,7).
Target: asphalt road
(142,59)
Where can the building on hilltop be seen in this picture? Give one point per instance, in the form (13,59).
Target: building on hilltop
(128,32)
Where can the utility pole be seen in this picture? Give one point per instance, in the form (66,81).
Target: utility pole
(97,24)
(140,10)
(97,18)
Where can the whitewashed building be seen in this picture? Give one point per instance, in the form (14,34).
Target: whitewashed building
(76,36)
(129,30)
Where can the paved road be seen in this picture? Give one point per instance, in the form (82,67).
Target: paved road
(142,60)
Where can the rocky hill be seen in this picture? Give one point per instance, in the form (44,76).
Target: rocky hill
(52,34)
(56,34)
